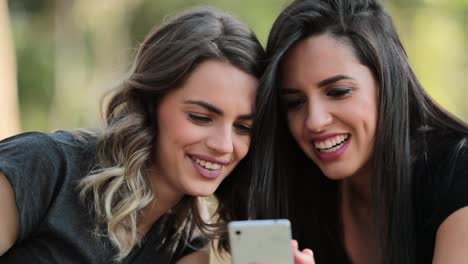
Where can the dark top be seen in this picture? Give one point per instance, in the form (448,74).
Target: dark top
(55,226)
(440,187)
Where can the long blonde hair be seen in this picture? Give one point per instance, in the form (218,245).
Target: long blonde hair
(118,188)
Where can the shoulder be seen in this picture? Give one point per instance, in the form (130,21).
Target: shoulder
(441,176)
(29,140)
(452,238)
(441,152)
(41,141)
(448,157)
(79,142)
(31,150)
(45,157)
(42,169)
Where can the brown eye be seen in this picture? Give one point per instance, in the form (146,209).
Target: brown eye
(293,104)
(339,92)
(199,119)
(242,129)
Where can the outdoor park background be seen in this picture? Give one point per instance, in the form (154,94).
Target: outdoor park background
(57,57)
(68,53)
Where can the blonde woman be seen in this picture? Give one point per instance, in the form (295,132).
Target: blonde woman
(178,128)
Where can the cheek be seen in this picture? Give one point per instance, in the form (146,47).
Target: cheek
(295,121)
(178,130)
(368,116)
(189,135)
(242,147)
(372,108)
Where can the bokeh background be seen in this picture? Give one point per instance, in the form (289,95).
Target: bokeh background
(58,57)
(69,52)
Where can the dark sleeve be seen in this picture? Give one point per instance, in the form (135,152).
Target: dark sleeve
(32,164)
(453,183)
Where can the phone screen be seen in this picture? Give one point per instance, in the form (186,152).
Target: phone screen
(261,242)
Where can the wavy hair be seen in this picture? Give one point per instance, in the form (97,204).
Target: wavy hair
(118,189)
(369,30)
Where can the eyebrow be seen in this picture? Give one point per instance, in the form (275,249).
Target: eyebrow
(320,84)
(334,79)
(205,105)
(215,109)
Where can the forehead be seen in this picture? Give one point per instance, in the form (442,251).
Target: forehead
(319,56)
(221,84)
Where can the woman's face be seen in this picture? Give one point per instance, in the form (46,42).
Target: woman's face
(331,99)
(204,128)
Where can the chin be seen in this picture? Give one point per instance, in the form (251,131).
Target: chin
(201,192)
(335,175)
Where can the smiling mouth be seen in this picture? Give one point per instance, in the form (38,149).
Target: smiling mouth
(331,144)
(208,169)
(207,164)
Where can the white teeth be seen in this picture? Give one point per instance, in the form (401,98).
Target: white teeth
(331,144)
(331,149)
(323,145)
(208,165)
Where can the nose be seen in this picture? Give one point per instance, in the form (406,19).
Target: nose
(318,117)
(220,140)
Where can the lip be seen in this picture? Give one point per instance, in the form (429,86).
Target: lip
(207,158)
(331,156)
(210,174)
(327,136)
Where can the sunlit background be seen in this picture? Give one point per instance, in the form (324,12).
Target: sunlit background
(69,52)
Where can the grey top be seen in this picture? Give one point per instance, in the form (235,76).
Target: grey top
(55,226)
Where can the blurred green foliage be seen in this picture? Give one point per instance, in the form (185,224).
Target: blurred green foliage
(70,52)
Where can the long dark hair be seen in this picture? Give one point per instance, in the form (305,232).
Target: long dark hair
(119,189)
(288,184)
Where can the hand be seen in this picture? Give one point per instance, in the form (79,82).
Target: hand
(306,256)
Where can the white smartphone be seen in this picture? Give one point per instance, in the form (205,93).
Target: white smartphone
(261,242)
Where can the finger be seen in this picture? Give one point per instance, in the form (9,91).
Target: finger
(294,244)
(308,252)
(303,258)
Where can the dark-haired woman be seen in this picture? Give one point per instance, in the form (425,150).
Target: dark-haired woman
(177,129)
(365,164)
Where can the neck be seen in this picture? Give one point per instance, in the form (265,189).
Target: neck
(356,197)
(360,232)
(357,189)
(165,199)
